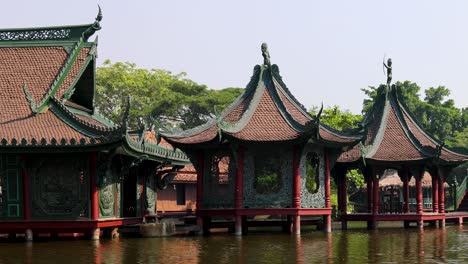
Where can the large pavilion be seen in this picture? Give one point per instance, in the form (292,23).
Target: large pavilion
(394,140)
(63,167)
(280,156)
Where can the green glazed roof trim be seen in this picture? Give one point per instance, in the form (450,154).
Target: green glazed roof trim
(215,121)
(401,109)
(248,113)
(96,116)
(156,151)
(61,76)
(51,43)
(80,125)
(62,33)
(71,89)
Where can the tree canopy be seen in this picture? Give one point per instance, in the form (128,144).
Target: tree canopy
(172,99)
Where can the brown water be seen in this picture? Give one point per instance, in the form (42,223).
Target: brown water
(352,246)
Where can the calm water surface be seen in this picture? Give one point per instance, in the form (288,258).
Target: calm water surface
(352,246)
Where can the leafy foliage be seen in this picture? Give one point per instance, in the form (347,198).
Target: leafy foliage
(338,118)
(312,179)
(172,99)
(267,174)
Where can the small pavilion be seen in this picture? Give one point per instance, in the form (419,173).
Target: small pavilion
(279,157)
(394,140)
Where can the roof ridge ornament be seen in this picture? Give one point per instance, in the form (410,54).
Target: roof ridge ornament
(265,54)
(388,66)
(32,102)
(95,26)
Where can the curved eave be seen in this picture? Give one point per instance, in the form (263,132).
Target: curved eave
(342,139)
(403,110)
(154,152)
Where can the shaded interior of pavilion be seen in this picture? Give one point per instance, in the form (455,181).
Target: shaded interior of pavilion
(411,196)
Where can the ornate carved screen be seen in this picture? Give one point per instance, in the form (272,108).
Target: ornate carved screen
(312,179)
(267,179)
(60,187)
(218,181)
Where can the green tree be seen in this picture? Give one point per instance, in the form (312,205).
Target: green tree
(342,120)
(172,99)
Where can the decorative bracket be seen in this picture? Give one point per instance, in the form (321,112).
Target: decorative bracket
(32,102)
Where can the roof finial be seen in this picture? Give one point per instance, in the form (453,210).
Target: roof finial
(95,26)
(388,66)
(99,15)
(266,55)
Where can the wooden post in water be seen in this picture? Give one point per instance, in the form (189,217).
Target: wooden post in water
(199,205)
(327,218)
(296,201)
(239,189)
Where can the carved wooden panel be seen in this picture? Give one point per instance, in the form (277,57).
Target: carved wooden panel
(60,188)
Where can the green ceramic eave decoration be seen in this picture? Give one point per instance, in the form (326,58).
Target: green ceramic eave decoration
(59,33)
(71,89)
(92,130)
(32,102)
(42,107)
(155,152)
(96,116)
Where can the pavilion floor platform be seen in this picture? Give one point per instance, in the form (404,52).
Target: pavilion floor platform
(263,217)
(62,227)
(457,217)
(434,219)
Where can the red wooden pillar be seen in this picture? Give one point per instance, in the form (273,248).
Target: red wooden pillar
(94,193)
(200,172)
(376,194)
(26,190)
(441,194)
(93,187)
(419,194)
(435,194)
(327,219)
(405,176)
(369,194)
(296,200)
(239,188)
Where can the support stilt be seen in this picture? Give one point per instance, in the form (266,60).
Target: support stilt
(95,234)
(238,226)
(328,223)
(29,235)
(297,225)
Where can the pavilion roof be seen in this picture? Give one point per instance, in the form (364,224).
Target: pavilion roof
(47,95)
(393,135)
(265,112)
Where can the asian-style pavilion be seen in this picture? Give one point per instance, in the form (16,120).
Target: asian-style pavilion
(394,140)
(63,167)
(280,156)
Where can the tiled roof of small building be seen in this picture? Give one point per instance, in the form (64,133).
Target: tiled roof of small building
(394,136)
(265,112)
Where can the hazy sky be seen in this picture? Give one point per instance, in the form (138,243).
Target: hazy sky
(326,50)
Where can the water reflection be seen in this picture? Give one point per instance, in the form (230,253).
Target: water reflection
(352,246)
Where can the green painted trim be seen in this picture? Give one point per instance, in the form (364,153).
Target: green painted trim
(96,116)
(29,44)
(17,210)
(71,89)
(72,32)
(72,123)
(61,76)
(158,153)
